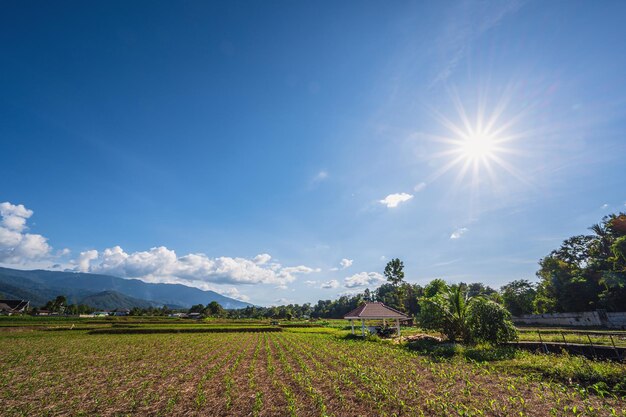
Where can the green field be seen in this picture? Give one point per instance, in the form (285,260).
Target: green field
(308,371)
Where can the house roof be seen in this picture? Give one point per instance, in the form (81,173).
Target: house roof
(13,305)
(375,311)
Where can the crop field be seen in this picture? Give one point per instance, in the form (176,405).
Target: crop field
(296,372)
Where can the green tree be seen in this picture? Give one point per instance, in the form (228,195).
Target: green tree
(434,287)
(519,296)
(447,312)
(214,309)
(394,272)
(586,272)
(465,318)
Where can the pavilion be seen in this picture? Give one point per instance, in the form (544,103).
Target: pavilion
(375,311)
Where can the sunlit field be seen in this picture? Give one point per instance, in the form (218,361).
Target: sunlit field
(313,371)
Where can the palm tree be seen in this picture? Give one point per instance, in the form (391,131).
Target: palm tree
(456,314)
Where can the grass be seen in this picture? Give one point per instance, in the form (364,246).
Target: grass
(299,371)
(605,338)
(601,377)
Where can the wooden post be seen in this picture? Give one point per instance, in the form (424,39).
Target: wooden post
(385,322)
(363,327)
(352,324)
(398,326)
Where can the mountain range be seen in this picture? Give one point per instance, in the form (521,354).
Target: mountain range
(103,291)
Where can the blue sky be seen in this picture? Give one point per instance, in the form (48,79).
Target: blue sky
(284,151)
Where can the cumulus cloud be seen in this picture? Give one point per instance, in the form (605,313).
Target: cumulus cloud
(346,263)
(233,292)
(393,200)
(82,263)
(363,279)
(262,259)
(605,206)
(458,233)
(301,269)
(343,264)
(310,282)
(160,264)
(333,283)
(16,245)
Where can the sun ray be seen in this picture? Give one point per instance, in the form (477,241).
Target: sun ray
(477,146)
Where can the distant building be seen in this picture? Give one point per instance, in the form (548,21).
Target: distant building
(10,307)
(122,312)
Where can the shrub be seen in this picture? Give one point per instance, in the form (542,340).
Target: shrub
(465,318)
(490,322)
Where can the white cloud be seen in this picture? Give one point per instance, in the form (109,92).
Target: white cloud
(419,187)
(349,293)
(17,246)
(301,269)
(392,200)
(343,264)
(310,282)
(262,259)
(161,264)
(281,302)
(363,279)
(333,283)
(605,206)
(459,232)
(233,292)
(346,263)
(82,263)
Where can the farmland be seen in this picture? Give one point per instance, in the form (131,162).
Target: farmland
(297,372)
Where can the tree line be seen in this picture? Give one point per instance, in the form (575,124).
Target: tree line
(587,272)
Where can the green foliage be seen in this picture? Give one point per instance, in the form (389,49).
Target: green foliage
(490,322)
(519,296)
(434,287)
(447,312)
(468,319)
(587,272)
(394,271)
(214,309)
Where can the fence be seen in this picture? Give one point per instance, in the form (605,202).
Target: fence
(599,318)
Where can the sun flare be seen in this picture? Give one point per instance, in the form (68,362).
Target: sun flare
(480,147)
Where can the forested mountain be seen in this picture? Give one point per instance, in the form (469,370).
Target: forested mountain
(39,286)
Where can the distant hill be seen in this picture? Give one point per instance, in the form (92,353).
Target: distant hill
(39,286)
(111,300)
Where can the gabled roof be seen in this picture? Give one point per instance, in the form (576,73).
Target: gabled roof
(375,311)
(13,305)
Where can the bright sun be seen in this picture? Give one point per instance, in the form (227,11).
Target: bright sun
(478,147)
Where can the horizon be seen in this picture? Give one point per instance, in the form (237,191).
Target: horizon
(284,153)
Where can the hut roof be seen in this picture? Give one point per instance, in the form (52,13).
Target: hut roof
(375,311)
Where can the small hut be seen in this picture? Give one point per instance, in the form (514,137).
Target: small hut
(375,311)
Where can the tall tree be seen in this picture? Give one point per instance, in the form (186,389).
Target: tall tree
(394,272)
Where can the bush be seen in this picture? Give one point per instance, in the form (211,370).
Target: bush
(465,318)
(490,322)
